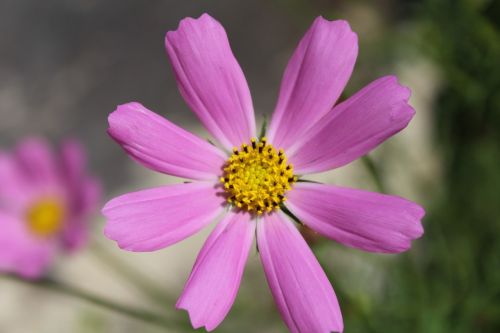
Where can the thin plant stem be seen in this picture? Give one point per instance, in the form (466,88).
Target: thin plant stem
(374,172)
(263,129)
(132,312)
(142,283)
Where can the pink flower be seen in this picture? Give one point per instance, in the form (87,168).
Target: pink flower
(248,180)
(45,202)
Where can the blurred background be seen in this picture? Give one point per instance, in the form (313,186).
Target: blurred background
(65,65)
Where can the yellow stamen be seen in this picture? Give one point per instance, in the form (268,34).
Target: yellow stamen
(256,177)
(45,217)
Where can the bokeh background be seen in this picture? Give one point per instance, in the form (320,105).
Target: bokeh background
(65,65)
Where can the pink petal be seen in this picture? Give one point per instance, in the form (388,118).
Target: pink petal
(213,284)
(314,79)
(75,234)
(20,252)
(303,294)
(14,192)
(369,221)
(37,162)
(73,159)
(84,205)
(90,195)
(83,195)
(84,190)
(211,80)
(156,218)
(354,127)
(162,146)
(30,172)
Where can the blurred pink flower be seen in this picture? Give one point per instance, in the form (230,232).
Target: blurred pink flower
(45,202)
(250,184)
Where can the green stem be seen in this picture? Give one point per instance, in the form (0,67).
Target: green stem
(374,172)
(135,279)
(136,313)
(300,180)
(263,129)
(290,214)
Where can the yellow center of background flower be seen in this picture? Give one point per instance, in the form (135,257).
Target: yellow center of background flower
(256,177)
(45,217)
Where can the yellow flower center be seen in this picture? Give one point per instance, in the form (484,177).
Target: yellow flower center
(256,177)
(45,217)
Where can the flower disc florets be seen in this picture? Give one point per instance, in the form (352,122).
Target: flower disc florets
(256,177)
(45,217)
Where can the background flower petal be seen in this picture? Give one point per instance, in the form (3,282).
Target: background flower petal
(37,161)
(75,234)
(77,226)
(28,173)
(73,161)
(303,294)
(366,220)
(14,193)
(20,252)
(211,80)
(152,219)
(162,146)
(354,127)
(314,79)
(213,284)
(83,194)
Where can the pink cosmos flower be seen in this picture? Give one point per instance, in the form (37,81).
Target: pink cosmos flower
(45,202)
(250,180)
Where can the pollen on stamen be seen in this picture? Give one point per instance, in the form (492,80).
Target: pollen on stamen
(256,179)
(45,217)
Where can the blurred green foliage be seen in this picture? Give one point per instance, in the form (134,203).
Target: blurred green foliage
(461,268)
(450,280)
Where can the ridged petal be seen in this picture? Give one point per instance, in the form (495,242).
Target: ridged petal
(162,146)
(152,219)
(211,80)
(213,284)
(303,294)
(366,220)
(314,79)
(354,127)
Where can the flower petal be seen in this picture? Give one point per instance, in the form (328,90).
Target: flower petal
(152,219)
(75,234)
(90,195)
(83,195)
(14,192)
(211,80)
(366,220)
(303,294)
(162,146)
(213,284)
(354,127)
(27,174)
(77,228)
(37,161)
(314,79)
(20,252)
(73,161)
